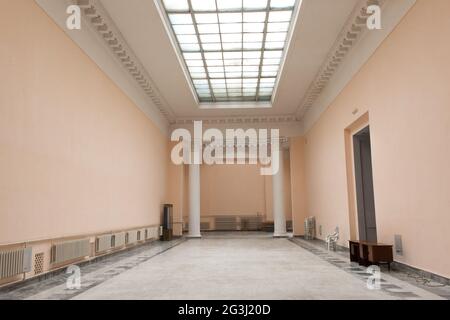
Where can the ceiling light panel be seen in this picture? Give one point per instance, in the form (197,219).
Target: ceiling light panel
(232,48)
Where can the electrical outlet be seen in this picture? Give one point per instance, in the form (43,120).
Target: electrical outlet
(398,244)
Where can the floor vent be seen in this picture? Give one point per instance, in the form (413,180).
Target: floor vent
(15,262)
(38,263)
(226,223)
(69,251)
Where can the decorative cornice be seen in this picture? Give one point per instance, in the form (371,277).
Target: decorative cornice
(352,32)
(96,16)
(246,120)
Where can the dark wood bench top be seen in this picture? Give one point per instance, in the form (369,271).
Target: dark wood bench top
(368,243)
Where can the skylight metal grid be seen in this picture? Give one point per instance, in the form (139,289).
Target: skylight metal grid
(231,48)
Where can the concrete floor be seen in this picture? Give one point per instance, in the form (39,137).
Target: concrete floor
(236,267)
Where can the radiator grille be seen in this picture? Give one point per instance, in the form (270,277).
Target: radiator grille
(226,223)
(104,243)
(251,223)
(70,250)
(15,262)
(140,235)
(204,226)
(131,237)
(151,233)
(119,240)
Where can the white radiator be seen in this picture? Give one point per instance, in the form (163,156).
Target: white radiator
(131,237)
(103,243)
(251,223)
(15,262)
(70,250)
(141,235)
(204,226)
(225,223)
(147,233)
(151,233)
(119,239)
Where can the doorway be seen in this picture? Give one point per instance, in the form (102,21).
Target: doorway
(364,186)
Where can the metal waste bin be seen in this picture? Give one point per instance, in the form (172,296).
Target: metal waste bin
(167,225)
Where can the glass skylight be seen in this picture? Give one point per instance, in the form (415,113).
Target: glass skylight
(231,48)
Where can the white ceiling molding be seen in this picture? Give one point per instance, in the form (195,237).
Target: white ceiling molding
(103,43)
(241,120)
(287,124)
(96,15)
(352,50)
(354,29)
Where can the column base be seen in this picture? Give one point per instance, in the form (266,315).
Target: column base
(195,236)
(281,235)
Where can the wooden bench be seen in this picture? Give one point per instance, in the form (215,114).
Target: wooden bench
(370,253)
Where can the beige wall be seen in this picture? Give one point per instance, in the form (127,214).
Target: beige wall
(240,190)
(404,88)
(232,189)
(76,155)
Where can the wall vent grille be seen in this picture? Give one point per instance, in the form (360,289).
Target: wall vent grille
(38,263)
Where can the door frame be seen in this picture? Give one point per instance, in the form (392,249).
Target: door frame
(362,198)
(359,124)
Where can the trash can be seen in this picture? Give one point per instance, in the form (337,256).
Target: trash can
(167,232)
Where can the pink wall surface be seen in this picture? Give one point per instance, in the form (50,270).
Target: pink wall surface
(240,190)
(76,155)
(404,88)
(232,189)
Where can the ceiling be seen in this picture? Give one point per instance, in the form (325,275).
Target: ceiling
(319,24)
(130,43)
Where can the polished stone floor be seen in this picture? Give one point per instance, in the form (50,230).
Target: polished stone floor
(224,266)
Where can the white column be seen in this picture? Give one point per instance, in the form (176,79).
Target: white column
(279,217)
(194,201)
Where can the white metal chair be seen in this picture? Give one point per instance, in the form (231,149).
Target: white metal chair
(332,239)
